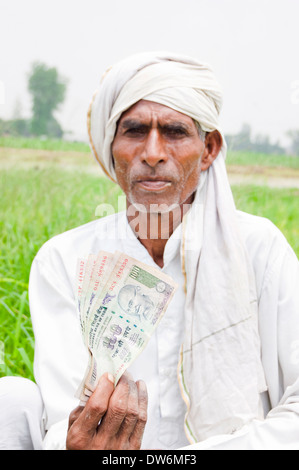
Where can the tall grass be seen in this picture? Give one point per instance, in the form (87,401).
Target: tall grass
(38,204)
(281,206)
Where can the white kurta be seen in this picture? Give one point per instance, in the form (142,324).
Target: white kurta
(60,356)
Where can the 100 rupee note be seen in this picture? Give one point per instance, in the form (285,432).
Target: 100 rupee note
(119,319)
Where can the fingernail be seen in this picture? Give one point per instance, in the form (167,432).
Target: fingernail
(142,386)
(107,376)
(110,377)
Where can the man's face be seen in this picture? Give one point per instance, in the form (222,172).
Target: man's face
(157,154)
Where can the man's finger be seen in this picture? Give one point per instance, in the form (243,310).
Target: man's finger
(75,415)
(130,419)
(118,407)
(96,406)
(137,434)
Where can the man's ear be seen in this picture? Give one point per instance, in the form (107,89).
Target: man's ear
(213,144)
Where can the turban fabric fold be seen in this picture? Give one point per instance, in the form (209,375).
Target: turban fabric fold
(220,370)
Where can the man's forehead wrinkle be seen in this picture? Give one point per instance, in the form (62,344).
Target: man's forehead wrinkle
(149,121)
(146,110)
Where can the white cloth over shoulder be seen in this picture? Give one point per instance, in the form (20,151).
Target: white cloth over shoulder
(220,371)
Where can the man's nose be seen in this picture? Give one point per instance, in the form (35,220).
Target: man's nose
(154,150)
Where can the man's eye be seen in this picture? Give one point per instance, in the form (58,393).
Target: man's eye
(175,132)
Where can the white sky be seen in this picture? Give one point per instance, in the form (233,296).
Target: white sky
(253,46)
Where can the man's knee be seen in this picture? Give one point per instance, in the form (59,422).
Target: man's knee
(19,392)
(21,410)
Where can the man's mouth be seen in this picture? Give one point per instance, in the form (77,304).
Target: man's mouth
(153,184)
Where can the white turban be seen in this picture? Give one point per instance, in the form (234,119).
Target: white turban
(180,83)
(220,370)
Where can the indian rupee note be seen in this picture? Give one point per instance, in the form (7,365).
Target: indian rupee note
(90,264)
(123,319)
(101,271)
(81,266)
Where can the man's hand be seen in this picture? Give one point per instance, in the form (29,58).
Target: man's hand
(112,419)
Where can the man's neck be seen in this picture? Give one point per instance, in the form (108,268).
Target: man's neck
(154,229)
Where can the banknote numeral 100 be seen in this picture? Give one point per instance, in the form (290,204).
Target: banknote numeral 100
(110,342)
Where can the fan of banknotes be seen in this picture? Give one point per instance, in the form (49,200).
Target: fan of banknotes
(120,303)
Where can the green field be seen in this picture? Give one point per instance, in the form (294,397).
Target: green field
(262,160)
(43,200)
(42,144)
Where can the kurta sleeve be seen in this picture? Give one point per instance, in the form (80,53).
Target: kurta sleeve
(279,328)
(60,357)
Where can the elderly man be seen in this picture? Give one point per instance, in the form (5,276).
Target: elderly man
(222,369)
